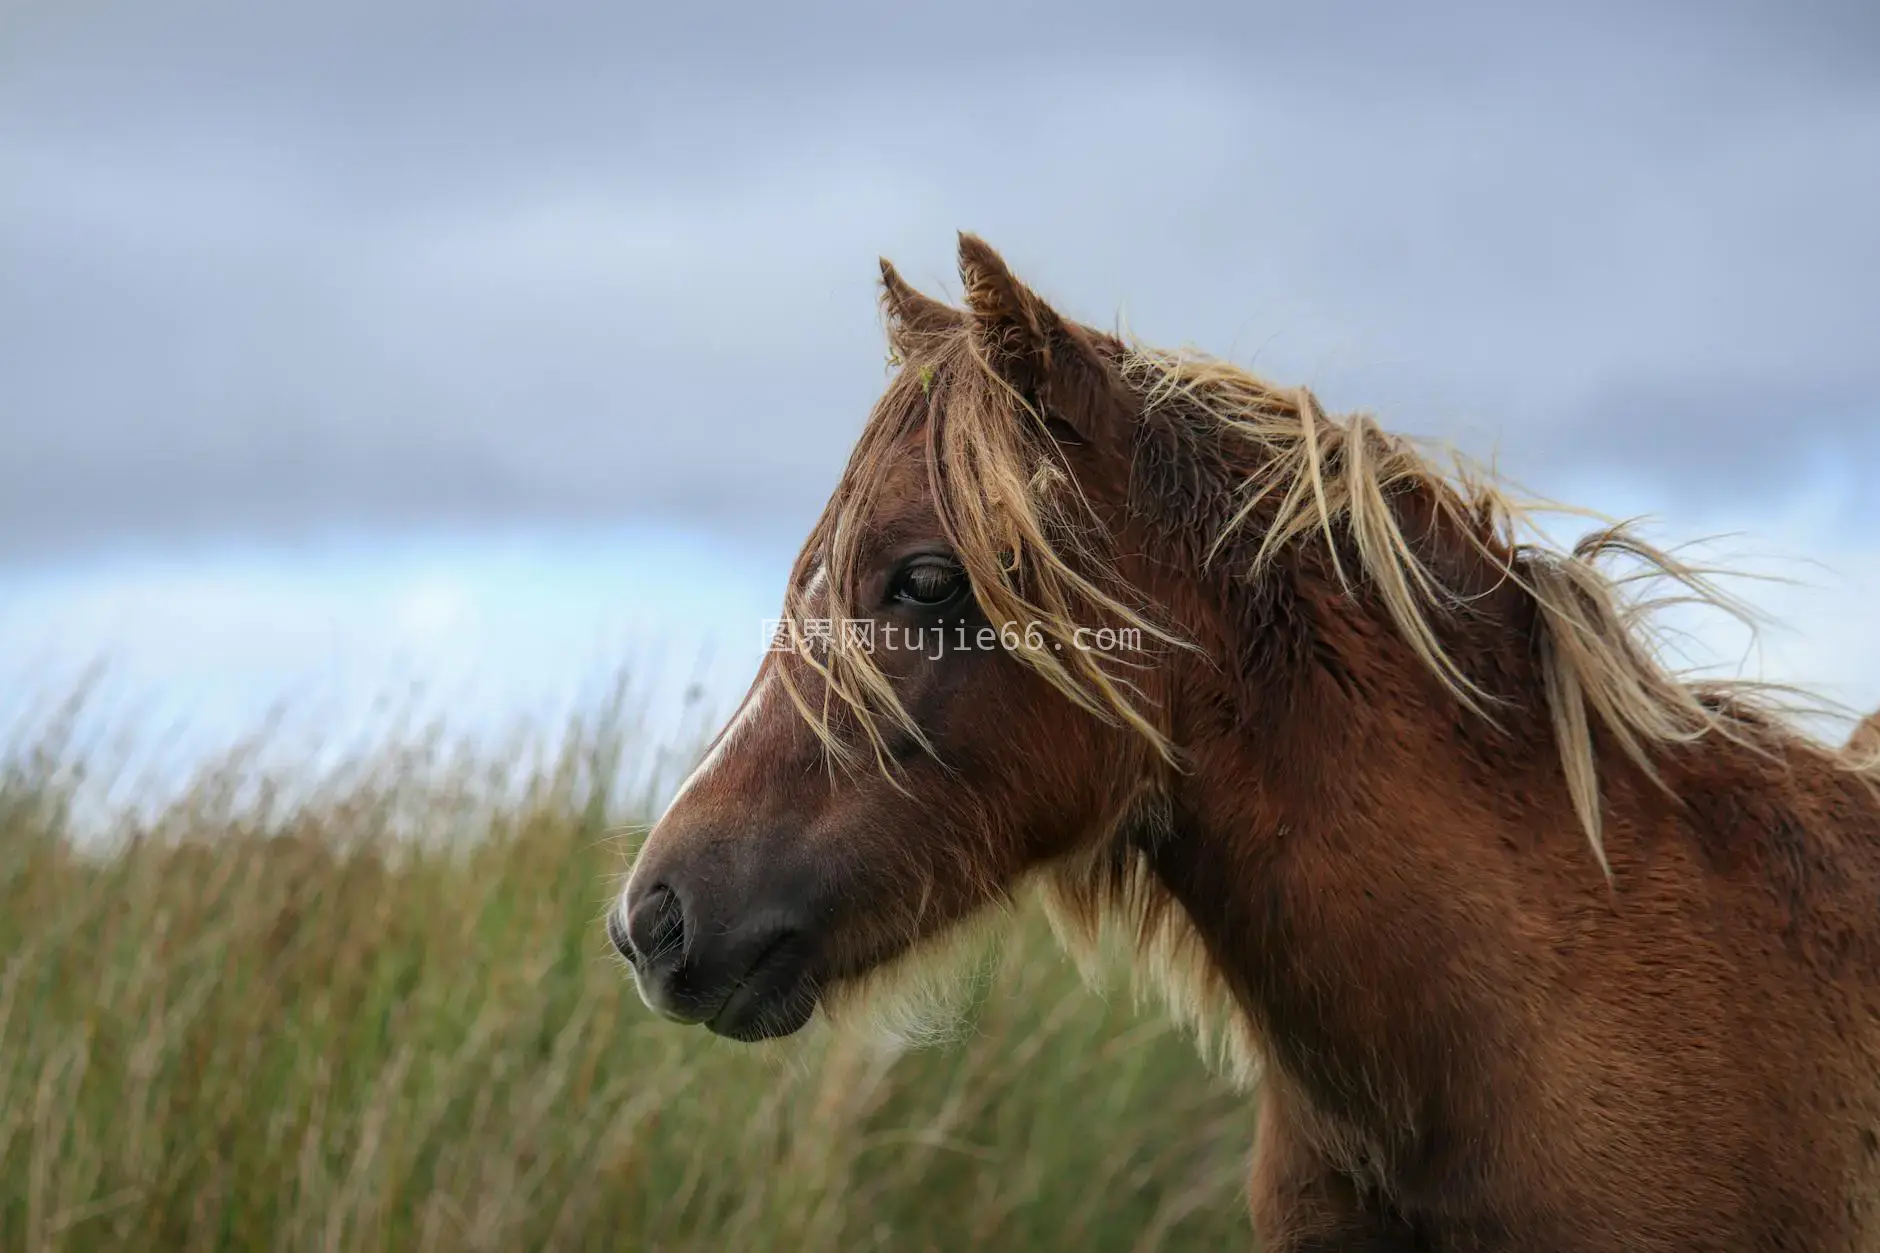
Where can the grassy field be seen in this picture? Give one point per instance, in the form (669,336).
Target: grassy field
(375,1011)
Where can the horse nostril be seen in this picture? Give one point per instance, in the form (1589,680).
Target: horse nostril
(617,935)
(656,924)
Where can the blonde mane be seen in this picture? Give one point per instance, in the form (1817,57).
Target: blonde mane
(1601,641)
(1035,556)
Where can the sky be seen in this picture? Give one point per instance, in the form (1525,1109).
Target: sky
(498,348)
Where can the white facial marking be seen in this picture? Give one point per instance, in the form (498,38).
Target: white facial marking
(754,706)
(747,714)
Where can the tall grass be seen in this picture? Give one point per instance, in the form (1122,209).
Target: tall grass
(375,1011)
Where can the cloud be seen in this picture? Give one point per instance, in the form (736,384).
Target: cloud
(286,270)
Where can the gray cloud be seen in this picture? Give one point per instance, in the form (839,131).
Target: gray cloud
(267,269)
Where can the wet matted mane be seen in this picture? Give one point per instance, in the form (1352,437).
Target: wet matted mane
(1037,554)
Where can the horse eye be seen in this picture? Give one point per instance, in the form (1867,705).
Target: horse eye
(928,582)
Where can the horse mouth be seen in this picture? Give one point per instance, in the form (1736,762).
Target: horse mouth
(776,997)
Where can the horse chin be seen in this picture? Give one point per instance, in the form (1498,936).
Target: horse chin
(913,997)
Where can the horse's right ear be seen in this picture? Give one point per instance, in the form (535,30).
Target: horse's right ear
(912,317)
(1046,358)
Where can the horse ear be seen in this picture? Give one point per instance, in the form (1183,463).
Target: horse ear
(912,317)
(1010,317)
(1048,359)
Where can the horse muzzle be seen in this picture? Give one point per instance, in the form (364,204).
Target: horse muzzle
(746,976)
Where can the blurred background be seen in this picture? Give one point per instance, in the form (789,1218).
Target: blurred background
(476,352)
(409,411)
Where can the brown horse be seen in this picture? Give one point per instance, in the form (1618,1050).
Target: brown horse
(1532,943)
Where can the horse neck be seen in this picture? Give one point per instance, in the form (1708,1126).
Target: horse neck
(1338,833)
